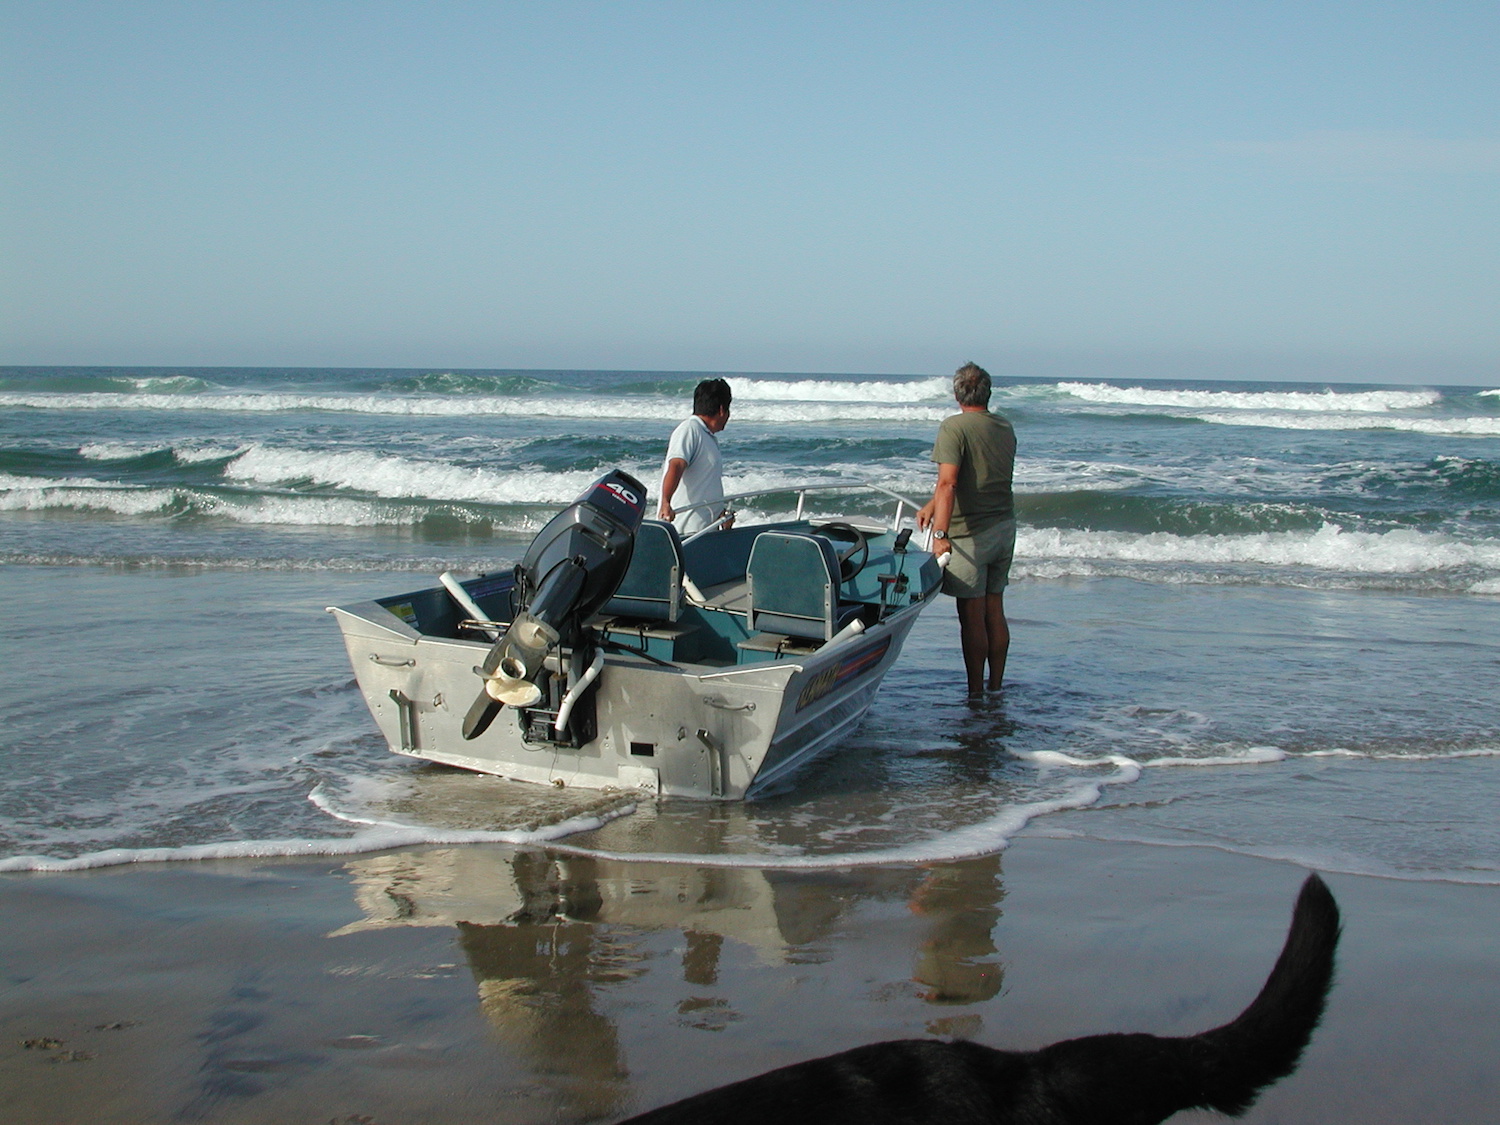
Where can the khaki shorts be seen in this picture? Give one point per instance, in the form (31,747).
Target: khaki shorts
(980,564)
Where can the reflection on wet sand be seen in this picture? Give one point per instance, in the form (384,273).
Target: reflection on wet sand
(537,976)
(551,937)
(956,960)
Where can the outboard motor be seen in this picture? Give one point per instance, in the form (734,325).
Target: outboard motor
(571,569)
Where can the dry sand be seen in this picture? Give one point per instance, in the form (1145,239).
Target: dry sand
(479,984)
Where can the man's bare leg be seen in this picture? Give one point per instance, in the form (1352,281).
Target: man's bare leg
(984,635)
(974,638)
(997,630)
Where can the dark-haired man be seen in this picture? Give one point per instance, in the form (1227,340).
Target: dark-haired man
(693,464)
(973,520)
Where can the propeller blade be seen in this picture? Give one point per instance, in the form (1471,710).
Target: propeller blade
(481,714)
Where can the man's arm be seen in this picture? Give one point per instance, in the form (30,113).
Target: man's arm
(937,513)
(669,482)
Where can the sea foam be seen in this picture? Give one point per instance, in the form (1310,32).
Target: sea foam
(1444,427)
(829,390)
(1322,401)
(374,839)
(401,477)
(564,408)
(84,496)
(1400,551)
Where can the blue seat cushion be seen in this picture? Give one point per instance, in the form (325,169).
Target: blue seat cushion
(652,587)
(794,585)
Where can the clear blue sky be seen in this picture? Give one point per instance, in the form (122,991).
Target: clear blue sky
(1297,190)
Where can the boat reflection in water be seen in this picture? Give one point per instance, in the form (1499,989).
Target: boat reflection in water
(580,962)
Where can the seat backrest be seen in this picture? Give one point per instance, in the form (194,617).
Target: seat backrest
(794,584)
(652,587)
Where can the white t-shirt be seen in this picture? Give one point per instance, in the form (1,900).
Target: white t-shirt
(702,480)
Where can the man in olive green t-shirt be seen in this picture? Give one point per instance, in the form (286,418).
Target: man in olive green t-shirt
(972,516)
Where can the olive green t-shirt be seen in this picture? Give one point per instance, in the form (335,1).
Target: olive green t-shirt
(983,446)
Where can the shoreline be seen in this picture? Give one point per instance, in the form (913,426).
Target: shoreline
(446,984)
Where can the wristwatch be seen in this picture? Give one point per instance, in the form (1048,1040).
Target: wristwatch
(936,534)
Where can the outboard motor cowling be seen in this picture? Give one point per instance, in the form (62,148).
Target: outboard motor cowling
(572,568)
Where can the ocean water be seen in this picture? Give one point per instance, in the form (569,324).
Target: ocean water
(1261,617)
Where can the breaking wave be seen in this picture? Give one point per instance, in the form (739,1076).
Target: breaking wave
(572,408)
(1050,552)
(1327,401)
(1480,426)
(829,390)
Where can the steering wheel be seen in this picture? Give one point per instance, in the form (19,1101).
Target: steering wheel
(848,565)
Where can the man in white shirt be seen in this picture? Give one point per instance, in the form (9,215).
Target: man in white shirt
(692,472)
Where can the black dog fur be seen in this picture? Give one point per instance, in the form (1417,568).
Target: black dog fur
(1115,1079)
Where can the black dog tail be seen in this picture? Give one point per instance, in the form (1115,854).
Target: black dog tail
(1264,1043)
(1131,1079)
(1146,1078)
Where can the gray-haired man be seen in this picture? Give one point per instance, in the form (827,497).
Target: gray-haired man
(973,519)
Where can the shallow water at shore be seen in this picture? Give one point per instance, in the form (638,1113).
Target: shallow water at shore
(1259,616)
(1341,730)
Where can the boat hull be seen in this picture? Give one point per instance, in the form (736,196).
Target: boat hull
(684,730)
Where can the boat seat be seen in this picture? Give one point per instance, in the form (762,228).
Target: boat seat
(652,587)
(779,644)
(728,597)
(794,586)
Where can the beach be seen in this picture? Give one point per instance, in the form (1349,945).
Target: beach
(392,988)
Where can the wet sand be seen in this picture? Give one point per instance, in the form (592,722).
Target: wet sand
(481,984)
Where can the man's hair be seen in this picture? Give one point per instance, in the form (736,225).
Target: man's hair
(710,397)
(971,385)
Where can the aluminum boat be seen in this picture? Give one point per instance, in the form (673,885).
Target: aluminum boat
(619,655)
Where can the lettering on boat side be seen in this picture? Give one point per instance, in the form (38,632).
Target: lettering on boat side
(841,673)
